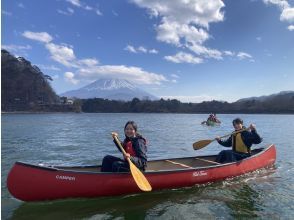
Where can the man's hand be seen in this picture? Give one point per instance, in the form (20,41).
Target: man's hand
(218,138)
(252,127)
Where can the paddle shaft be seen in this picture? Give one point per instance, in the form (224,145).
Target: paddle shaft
(236,132)
(138,176)
(203,143)
(119,144)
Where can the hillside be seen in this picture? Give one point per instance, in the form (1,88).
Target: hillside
(25,87)
(282,103)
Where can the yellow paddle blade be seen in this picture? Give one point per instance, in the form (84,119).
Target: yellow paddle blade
(200,144)
(139,178)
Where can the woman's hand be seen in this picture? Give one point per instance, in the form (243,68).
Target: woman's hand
(126,156)
(114,134)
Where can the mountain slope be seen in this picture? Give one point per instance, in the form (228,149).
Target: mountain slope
(23,85)
(282,102)
(267,97)
(114,89)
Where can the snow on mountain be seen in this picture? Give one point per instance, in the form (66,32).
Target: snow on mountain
(114,89)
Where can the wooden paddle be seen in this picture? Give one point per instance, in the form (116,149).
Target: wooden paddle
(203,143)
(138,176)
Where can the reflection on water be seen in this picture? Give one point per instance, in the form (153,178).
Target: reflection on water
(228,200)
(244,203)
(129,207)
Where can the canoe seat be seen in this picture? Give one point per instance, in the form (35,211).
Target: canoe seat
(180,164)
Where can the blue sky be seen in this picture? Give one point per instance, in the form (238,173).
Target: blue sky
(190,50)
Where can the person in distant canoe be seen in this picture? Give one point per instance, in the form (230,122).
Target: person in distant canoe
(214,118)
(240,142)
(211,118)
(135,147)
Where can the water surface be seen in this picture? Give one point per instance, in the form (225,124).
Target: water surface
(84,139)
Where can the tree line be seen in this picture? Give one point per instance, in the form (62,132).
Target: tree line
(277,105)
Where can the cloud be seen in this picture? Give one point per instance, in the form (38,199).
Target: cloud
(75,2)
(98,12)
(39,36)
(291,27)
(70,77)
(153,51)
(229,53)
(62,54)
(89,68)
(280,3)
(131,73)
(243,55)
(287,13)
(79,4)
(182,57)
(51,67)
(140,49)
(185,24)
(130,49)
(69,11)
(89,62)
(16,48)
(114,13)
(174,76)
(20,5)
(185,12)
(7,13)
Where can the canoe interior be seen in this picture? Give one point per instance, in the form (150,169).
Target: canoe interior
(163,165)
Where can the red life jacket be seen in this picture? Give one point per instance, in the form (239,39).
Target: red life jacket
(128,147)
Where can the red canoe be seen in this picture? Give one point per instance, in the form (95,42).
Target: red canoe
(35,183)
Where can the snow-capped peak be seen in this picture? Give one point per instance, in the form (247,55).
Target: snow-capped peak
(114,89)
(110,84)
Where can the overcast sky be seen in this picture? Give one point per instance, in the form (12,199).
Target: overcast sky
(192,50)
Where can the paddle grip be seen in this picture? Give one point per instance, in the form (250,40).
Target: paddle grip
(118,143)
(236,132)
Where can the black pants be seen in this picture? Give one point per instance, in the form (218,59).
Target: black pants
(114,164)
(227,156)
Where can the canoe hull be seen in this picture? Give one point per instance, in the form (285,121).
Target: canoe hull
(210,123)
(36,183)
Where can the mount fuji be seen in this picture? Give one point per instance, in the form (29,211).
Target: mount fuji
(113,89)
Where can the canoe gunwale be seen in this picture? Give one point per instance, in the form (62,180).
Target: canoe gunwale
(69,170)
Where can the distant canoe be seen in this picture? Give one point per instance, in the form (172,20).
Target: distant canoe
(29,182)
(210,123)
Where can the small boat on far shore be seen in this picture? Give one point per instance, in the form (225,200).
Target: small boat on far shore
(30,182)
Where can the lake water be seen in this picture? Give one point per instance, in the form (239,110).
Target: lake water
(84,139)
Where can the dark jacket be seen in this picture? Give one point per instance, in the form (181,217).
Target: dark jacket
(140,148)
(248,137)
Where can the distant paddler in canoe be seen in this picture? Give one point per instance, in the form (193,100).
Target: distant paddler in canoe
(211,120)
